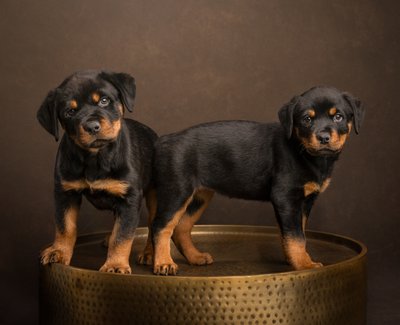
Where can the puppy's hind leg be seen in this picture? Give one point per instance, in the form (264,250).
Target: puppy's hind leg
(170,210)
(182,234)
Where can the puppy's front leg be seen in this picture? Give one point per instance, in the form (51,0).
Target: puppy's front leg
(120,242)
(291,214)
(67,209)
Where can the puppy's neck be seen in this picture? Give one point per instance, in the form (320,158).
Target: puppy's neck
(93,151)
(106,152)
(90,165)
(321,165)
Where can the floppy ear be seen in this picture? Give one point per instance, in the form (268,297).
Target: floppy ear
(286,115)
(125,85)
(358,110)
(47,114)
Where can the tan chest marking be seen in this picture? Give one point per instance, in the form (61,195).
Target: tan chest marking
(313,187)
(325,184)
(112,186)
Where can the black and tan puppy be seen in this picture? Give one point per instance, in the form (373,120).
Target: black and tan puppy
(288,164)
(102,156)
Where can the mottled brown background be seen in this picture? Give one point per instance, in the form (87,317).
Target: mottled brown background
(198,61)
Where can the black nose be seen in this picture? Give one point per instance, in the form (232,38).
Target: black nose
(92,127)
(324,137)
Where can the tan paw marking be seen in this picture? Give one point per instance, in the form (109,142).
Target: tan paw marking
(166,269)
(116,268)
(53,255)
(145,258)
(200,259)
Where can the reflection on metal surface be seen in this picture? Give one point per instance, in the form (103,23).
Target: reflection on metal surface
(249,283)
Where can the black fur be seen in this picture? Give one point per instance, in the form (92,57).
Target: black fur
(257,161)
(122,150)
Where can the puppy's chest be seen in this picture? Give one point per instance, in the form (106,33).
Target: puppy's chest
(313,187)
(93,178)
(111,186)
(316,180)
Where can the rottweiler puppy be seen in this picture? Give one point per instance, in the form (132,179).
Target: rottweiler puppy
(288,164)
(102,156)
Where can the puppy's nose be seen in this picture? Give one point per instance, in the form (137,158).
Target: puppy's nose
(92,127)
(323,137)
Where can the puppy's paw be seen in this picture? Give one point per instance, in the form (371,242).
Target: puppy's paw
(165,269)
(116,268)
(315,265)
(145,258)
(200,259)
(53,255)
(308,266)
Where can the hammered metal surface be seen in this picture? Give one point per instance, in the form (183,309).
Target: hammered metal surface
(222,293)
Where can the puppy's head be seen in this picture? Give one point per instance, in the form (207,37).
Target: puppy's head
(89,105)
(321,119)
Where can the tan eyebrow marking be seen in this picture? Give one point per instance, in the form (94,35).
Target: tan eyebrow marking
(95,97)
(332,111)
(311,112)
(73,104)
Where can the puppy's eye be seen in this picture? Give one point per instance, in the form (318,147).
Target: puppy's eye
(104,102)
(337,118)
(70,113)
(307,119)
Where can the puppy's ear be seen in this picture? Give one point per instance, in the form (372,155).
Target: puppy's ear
(286,116)
(125,84)
(357,108)
(47,114)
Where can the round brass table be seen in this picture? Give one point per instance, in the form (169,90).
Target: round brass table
(248,283)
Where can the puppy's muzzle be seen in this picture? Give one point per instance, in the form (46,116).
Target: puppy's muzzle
(323,137)
(92,127)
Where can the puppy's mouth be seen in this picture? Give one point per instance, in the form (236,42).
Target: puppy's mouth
(93,143)
(326,151)
(99,143)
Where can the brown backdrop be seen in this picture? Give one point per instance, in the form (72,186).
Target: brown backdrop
(197,61)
